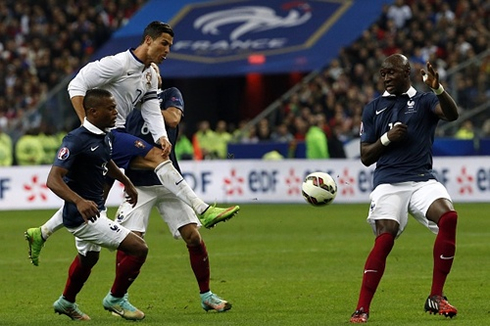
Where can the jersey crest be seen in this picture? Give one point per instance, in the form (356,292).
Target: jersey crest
(148,78)
(139,144)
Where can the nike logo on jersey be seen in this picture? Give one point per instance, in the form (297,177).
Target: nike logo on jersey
(178,182)
(378,112)
(446,258)
(94,148)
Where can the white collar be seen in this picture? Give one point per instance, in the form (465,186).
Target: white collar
(411,93)
(92,128)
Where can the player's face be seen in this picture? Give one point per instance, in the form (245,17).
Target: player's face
(394,78)
(107,113)
(159,48)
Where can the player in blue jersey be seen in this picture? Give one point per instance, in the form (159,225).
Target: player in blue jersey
(397,133)
(78,177)
(181,220)
(130,77)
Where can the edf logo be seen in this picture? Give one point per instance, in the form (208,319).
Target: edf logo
(263,181)
(4,186)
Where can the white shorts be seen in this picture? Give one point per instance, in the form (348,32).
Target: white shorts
(395,201)
(173,210)
(103,232)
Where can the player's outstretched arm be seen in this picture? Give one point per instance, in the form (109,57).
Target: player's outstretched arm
(77,102)
(447,108)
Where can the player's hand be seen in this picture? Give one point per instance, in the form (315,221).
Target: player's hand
(430,77)
(131,194)
(166,146)
(398,132)
(88,209)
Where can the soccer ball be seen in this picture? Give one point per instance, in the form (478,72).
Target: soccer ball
(319,188)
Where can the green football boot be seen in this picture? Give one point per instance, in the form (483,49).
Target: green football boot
(36,243)
(213,215)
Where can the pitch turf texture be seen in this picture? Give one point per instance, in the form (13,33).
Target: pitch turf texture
(277,264)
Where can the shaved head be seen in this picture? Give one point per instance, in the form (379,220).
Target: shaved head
(395,72)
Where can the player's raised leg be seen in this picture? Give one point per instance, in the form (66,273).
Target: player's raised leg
(37,236)
(171,179)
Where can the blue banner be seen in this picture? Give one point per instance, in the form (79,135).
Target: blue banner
(225,38)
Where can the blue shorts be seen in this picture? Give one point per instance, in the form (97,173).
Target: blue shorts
(126,147)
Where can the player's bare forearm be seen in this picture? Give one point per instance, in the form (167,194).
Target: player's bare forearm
(77,102)
(58,186)
(131,192)
(114,172)
(87,208)
(371,152)
(448,106)
(447,109)
(172,116)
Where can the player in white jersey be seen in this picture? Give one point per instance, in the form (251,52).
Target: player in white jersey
(132,80)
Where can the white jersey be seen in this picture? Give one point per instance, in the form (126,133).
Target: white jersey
(126,77)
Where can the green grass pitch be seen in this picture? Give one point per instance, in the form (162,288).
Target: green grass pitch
(277,264)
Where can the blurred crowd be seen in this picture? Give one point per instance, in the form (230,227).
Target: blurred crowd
(41,46)
(326,111)
(42,43)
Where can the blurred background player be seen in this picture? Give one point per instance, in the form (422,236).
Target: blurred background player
(181,220)
(397,134)
(78,177)
(130,77)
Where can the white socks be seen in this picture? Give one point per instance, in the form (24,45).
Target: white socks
(173,181)
(53,224)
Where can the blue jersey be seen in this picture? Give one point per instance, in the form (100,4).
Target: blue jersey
(85,155)
(135,125)
(410,159)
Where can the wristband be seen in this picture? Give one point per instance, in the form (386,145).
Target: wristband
(385,140)
(438,91)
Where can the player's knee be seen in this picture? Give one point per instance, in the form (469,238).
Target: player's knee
(141,250)
(90,259)
(190,234)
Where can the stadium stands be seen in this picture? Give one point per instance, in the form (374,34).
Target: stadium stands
(40,48)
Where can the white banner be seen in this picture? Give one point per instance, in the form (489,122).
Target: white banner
(255,181)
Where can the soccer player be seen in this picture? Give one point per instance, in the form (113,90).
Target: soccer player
(397,133)
(132,80)
(78,177)
(181,220)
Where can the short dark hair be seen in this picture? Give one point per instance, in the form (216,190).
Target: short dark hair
(93,96)
(157,28)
